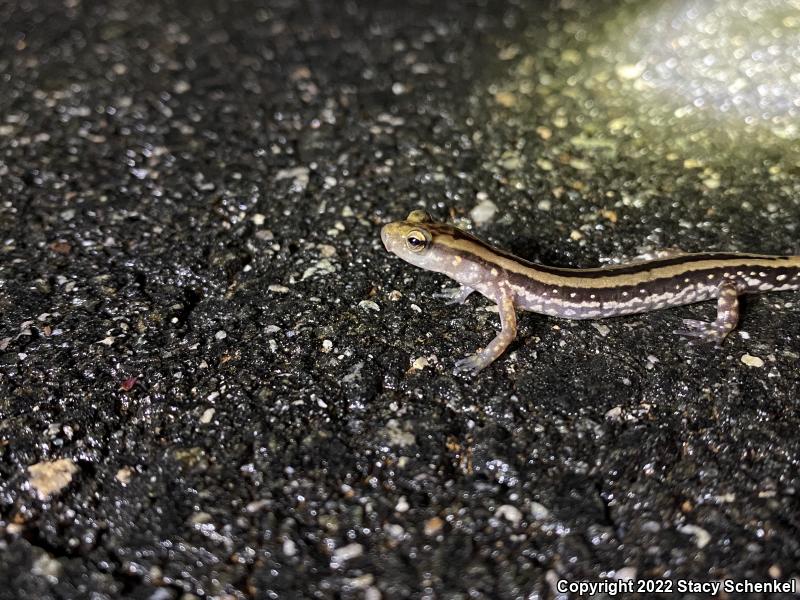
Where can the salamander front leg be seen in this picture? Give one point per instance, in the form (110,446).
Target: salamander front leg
(508,331)
(457,295)
(727,317)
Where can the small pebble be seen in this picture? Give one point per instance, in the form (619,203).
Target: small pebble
(505,99)
(483,212)
(124,475)
(538,511)
(752,361)
(626,574)
(419,364)
(289,547)
(631,71)
(207,415)
(369,305)
(402,505)
(510,513)
(348,552)
(433,526)
(181,87)
(701,536)
(50,477)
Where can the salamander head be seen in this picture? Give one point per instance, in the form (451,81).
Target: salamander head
(423,243)
(412,239)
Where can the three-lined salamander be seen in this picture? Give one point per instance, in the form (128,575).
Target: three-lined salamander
(514,283)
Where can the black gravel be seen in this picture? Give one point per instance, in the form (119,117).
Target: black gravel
(252,399)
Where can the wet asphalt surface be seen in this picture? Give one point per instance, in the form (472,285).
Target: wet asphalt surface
(216,383)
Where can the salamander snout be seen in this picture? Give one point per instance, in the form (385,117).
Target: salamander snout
(385,236)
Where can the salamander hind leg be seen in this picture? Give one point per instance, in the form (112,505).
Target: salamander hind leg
(727,317)
(486,356)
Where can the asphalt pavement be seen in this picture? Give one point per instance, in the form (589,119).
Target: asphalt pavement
(216,383)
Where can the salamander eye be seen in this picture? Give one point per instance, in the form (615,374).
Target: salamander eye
(416,241)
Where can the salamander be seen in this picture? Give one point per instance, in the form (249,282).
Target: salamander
(635,287)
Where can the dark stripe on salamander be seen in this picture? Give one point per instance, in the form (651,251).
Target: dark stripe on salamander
(628,299)
(740,260)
